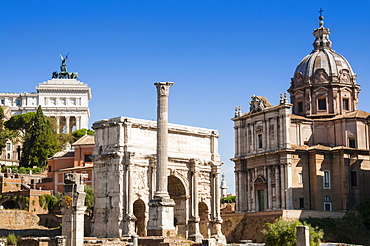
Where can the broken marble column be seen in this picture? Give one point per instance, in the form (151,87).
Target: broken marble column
(303,236)
(161,207)
(73,209)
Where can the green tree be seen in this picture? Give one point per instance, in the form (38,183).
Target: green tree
(5,133)
(21,122)
(81,132)
(228,199)
(283,233)
(89,199)
(40,142)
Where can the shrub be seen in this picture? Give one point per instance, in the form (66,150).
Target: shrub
(228,199)
(11,239)
(283,233)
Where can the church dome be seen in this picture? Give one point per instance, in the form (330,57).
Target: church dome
(323,84)
(323,65)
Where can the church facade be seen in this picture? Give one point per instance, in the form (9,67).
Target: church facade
(311,153)
(125,166)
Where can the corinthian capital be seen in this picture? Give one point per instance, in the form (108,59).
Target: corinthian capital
(163,88)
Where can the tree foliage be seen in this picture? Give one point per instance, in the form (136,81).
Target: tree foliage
(81,132)
(283,233)
(40,142)
(89,198)
(21,122)
(351,227)
(228,199)
(5,133)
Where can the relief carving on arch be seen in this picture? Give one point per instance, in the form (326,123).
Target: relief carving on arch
(140,181)
(344,76)
(298,79)
(320,76)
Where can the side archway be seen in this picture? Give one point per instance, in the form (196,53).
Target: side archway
(204,220)
(139,212)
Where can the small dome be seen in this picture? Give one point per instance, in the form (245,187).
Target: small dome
(323,65)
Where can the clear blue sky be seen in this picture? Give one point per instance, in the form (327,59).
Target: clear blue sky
(218,53)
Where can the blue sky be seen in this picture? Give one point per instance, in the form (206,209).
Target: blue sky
(218,53)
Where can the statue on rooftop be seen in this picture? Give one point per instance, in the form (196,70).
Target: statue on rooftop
(63,74)
(63,66)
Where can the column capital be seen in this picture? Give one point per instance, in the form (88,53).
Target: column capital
(163,88)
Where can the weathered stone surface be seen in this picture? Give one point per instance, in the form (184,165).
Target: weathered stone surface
(124,174)
(18,219)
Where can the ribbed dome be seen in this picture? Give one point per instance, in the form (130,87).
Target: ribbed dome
(323,65)
(327,59)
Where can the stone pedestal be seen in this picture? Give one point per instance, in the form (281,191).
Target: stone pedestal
(161,217)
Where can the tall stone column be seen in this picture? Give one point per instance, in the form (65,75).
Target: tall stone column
(78,122)
(282,186)
(277,188)
(67,124)
(248,191)
(58,123)
(129,217)
(161,207)
(194,232)
(216,215)
(269,188)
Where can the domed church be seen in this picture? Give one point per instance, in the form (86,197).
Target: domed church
(311,153)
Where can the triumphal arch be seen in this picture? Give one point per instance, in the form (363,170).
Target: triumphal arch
(125,163)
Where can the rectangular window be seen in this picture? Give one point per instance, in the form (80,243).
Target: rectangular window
(327,206)
(300,107)
(326,179)
(260,141)
(49,168)
(2,101)
(300,178)
(301,203)
(18,102)
(321,104)
(352,142)
(345,104)
(87,158)
(8,146)
(327,199)
(353,178)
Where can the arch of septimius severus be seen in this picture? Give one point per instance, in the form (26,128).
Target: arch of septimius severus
(156,180)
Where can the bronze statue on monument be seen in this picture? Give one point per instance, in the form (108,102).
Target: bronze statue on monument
(63,74)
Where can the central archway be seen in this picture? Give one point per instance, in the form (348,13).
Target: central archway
(177,192)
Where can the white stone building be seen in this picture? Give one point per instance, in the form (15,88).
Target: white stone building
(66,100)
(125,178)
(315,158)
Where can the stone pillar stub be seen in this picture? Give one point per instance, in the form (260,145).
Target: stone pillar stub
(303,236)
(161,207)
(73,209)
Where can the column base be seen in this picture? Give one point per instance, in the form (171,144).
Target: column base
(161,217)
(196,237)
